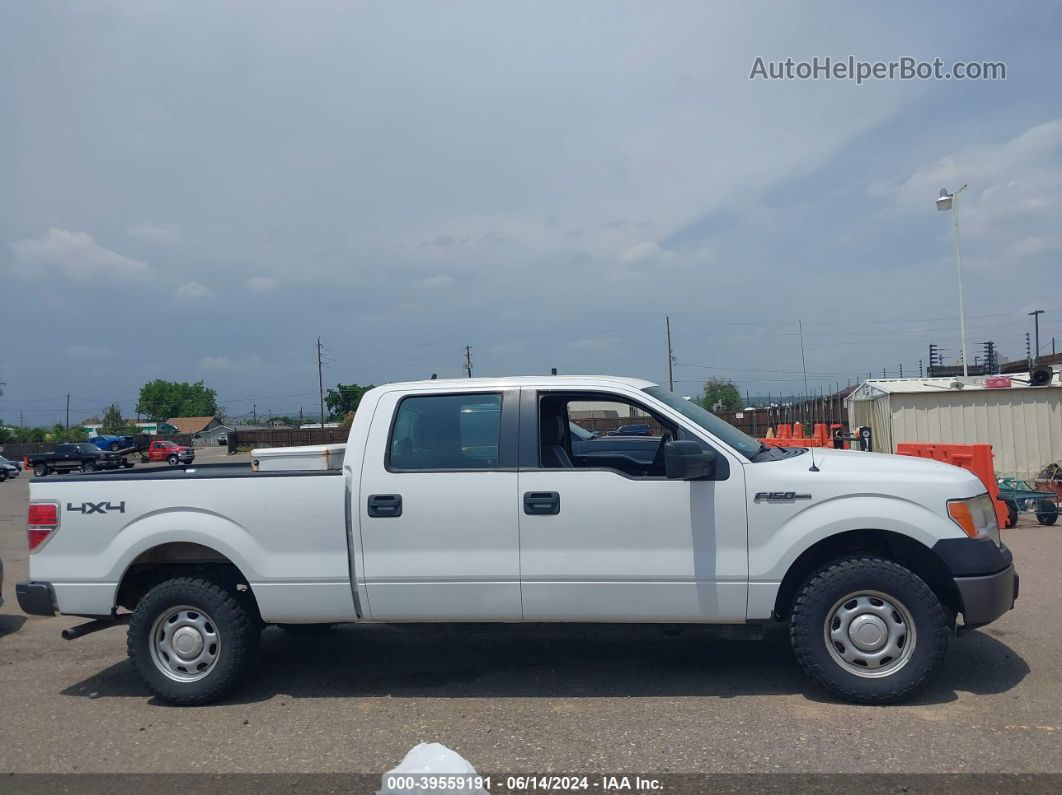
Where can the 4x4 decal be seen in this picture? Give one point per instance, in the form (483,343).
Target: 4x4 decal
(96,507)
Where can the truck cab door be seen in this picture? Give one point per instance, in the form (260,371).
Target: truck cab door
(437,507)
(604,536)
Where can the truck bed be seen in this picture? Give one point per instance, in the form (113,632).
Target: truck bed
(286,532)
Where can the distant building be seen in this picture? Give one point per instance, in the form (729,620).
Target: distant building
(203,430)
(93,426)
(1023,423)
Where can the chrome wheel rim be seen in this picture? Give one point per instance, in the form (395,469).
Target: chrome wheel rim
(185,644)
(870,634)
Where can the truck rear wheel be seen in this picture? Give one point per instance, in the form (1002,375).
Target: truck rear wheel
(869,630)
(191,641)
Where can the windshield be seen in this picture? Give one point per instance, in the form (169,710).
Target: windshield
(739,440)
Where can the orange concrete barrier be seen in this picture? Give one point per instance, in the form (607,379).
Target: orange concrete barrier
(975,457)
(793,436)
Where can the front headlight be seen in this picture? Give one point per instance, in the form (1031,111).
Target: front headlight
(976,516)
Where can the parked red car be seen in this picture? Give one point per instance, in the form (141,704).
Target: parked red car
(173,454)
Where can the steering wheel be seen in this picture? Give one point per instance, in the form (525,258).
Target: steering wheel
(658,457)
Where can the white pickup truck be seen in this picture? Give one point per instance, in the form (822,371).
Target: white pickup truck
(483,500)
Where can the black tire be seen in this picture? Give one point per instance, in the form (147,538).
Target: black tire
(236,630)
(826,592)
(40,470)
(3,475)
(1046,512)
(88,466)
(173,460)
(1012,513)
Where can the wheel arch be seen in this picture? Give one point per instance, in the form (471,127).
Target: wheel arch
(901,549)
(180,559)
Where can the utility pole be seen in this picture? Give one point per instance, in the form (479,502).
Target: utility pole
(21,419)
(320,379)
(468,360)
(300,416)
(254,413)
(670,356)
(1036,325)
(68,411)
(803,363)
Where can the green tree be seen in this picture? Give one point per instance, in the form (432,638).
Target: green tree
(720,394)
(344,399)
(60,433)
(160,400)
(114,423)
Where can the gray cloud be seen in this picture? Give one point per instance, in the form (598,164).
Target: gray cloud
(155,233)
(191,291)
(74,255)
(474,195)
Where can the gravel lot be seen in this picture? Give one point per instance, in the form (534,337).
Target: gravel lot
(531,699)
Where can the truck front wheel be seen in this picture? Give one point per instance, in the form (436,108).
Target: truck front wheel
(173,460)
(869,630)
(191,641)
(40,470)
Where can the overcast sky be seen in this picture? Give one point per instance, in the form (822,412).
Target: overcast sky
(193,190)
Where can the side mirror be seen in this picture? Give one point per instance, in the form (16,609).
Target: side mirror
(687,460)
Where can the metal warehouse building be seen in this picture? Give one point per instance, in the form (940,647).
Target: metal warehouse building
(1022,423)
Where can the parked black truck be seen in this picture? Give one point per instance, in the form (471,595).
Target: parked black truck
(76,456)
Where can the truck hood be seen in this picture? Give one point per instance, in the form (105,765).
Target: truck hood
(847,471)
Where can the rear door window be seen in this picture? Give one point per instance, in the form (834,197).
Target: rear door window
(446,432)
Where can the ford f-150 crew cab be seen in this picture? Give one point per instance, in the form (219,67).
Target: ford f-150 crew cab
(463,500)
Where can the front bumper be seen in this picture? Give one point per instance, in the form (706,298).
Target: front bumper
(986,598)
(36,598)
(984,575)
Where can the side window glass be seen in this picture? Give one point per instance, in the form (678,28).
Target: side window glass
(601,433)
(436,432)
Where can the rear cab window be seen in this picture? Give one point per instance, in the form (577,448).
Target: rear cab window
(446,432)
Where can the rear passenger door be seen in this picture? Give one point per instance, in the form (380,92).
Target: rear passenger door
(438,508)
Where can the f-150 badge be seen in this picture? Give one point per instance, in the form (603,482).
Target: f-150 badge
(780,496)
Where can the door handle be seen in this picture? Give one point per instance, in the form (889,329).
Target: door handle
(385,505)
(541,503)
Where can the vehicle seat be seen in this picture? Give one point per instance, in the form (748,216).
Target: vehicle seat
(551,433)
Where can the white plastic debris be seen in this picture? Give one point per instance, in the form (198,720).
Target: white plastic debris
(423,761)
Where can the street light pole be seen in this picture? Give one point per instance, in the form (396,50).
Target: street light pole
(950,201)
